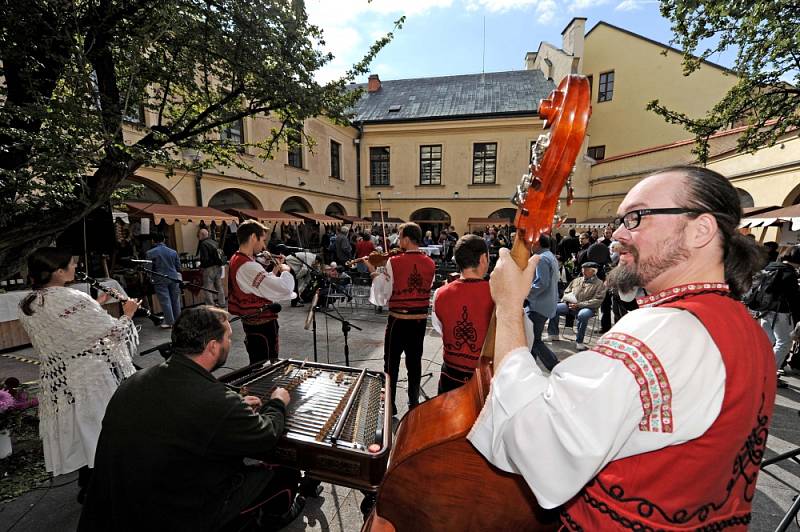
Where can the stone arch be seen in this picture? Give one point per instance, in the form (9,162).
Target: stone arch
(745,198)
(431,219)
(508,213)
(234,198)
(793,197)
(335,209)
(151,193)
(296,204)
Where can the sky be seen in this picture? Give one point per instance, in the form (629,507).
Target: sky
(446,37)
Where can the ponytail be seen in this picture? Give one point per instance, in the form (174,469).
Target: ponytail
(743,258)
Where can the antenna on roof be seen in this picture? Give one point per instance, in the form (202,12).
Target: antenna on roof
(483,55)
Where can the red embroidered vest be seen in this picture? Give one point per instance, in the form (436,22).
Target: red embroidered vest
(464,307)
(707,483)
(412,277)
(241,303)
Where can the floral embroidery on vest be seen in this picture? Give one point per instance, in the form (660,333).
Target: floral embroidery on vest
(654,389)
(464,333)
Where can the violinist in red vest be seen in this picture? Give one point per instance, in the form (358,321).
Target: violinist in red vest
(251,287)
(406,285)
(461,313)
(662,424)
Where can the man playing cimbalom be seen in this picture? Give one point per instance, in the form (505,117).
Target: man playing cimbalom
(662,425)
(461,313)
(581,299)
(170,455)
(406,285)
(251,287)
(211,263)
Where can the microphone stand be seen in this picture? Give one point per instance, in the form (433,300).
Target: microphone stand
(182,284)
(346,326)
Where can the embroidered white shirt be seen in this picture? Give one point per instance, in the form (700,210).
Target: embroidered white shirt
(656,379)
(254,279)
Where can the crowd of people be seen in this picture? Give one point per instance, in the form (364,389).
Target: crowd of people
(690,375)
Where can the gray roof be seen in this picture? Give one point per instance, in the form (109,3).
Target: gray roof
(468,96)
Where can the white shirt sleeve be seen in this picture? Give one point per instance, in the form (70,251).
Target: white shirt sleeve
(435,321)
(254,279)
(381,289)
(559,431)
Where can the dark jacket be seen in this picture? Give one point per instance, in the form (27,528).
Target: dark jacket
(171,449)
(207,251)
(598,253)
(567,247)
(788,291)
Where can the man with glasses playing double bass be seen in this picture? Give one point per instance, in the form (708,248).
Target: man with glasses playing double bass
(661,425)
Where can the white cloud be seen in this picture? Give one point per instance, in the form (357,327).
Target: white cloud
(633,5)
(496,6)
(546,11)
(577,6)
(349,27)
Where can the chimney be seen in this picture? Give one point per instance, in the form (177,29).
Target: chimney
(374,83)
(530,60)
(572,37)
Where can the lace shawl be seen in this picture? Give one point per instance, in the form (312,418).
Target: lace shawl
(84,351)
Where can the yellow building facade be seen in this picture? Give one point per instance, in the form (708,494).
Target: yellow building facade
(443,150)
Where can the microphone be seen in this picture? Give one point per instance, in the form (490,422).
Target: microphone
(140,261)
(283,249)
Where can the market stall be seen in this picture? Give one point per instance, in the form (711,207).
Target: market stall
(785,219)
(148,218)
(480,224)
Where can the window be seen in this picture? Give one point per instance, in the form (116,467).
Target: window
(233,133)
(605,89)
(598,153)
(336,167)
(430,165)
(484,163)
(295,150)
(379,166)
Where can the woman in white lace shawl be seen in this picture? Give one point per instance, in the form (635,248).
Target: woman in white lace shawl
(85,353)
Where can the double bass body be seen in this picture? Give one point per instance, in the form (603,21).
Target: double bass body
(437,481)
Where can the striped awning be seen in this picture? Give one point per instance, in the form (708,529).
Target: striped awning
(268,217)
(177,213)
(355,221)
(790,215)
(483,222)
(323,219)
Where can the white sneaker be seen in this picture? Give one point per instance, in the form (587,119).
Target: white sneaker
(580,347)
(552,338)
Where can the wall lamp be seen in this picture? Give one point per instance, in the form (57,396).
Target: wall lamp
(455,194)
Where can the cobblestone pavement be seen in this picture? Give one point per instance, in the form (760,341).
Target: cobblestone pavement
(55,509)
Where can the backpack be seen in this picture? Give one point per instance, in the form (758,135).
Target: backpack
(764,294)
(221,257)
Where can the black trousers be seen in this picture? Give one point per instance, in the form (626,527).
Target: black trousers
(260,495)
(404,336)
(262,341)
(451,378)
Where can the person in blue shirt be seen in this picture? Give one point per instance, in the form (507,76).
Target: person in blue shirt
(166,262)
(543,298)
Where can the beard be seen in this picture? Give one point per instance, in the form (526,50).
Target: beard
(223,357)
(627,278)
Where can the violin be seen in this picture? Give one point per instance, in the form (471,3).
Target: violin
(268,260)
(376,258)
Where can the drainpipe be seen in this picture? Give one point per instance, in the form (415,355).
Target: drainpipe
(198,189)
(357,142)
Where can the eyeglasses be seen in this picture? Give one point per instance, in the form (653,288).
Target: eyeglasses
(631,220)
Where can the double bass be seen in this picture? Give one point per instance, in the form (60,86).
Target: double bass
(436,480)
